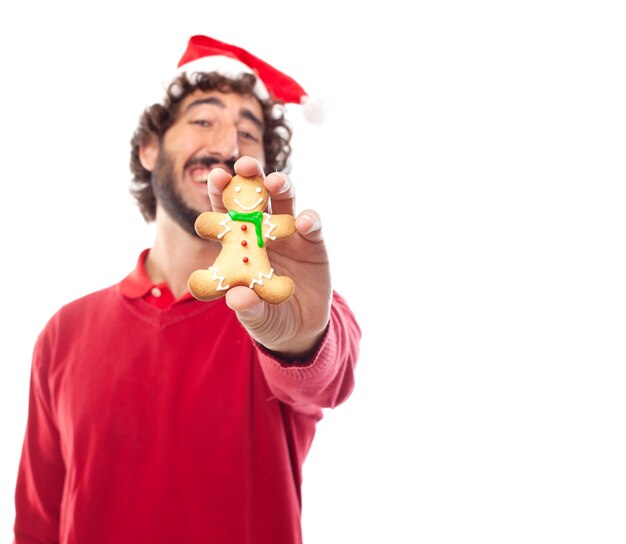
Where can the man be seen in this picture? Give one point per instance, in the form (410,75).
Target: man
(155,417)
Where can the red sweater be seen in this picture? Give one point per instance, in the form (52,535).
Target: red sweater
(169,425)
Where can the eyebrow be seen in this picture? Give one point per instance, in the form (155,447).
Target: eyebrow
(245,113)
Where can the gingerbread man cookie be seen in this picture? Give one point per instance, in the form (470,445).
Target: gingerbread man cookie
(244,233)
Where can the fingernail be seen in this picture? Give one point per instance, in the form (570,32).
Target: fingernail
(286,183)
(312,223)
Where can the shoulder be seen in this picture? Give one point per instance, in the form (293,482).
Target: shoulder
(66,327)
(81,309)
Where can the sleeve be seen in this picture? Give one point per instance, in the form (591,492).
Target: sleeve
(327,378)
(41,473)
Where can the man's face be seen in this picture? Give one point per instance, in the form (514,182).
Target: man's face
(213,129)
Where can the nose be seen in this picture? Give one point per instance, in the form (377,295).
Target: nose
(224,142)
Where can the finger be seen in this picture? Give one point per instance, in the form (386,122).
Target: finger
(218,179)
(309,226)
(249,167)
(282,193)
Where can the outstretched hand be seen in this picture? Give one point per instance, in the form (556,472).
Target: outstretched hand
(294,328)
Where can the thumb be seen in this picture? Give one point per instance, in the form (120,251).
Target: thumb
(252,316)
(250,308)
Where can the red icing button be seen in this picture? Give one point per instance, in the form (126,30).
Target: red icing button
(244,227)
(244,243)
(245,259)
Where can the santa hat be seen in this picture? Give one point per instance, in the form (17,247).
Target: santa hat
(204,54)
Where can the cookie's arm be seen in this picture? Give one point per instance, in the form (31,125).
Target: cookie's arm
(212,225)
(282,225)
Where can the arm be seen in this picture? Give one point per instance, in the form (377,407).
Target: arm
(284,225)
(210,225)
(326,378)
(293,330)
(41,472)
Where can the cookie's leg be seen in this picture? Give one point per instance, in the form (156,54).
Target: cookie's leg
(272,288)
(207,284)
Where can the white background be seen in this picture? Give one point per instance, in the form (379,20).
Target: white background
(483,142)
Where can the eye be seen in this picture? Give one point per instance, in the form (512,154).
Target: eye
(245,135)
(258,189)
(202,123)
(238,189)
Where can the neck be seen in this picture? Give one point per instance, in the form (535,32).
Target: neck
(176,254)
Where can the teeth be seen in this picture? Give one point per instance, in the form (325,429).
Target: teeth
(201,177)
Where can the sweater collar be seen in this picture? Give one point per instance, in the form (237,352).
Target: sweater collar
(138,284)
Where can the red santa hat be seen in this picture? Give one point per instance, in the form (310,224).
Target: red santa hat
(204,54)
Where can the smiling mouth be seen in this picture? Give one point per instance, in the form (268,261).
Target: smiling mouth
(248,207)
(198,169)
(200,175)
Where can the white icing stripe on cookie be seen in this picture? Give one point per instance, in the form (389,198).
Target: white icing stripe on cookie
(215,277)
(226,227)
(261,276)
(268,234)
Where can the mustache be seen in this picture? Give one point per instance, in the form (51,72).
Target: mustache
(210,161)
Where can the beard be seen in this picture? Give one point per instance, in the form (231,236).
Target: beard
(170,198)
(168,195)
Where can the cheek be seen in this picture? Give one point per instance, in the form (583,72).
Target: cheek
(179,143)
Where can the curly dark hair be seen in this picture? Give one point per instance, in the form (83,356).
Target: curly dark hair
(158,118)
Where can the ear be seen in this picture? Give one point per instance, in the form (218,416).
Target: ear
(148,152)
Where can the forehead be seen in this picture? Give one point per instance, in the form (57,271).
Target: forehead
(232,102)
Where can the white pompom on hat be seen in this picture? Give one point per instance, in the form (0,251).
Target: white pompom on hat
(204,54)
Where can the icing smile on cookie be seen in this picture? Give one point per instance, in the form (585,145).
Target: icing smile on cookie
(248,207)
(246,193)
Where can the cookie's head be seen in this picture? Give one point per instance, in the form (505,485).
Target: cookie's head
(245,195)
